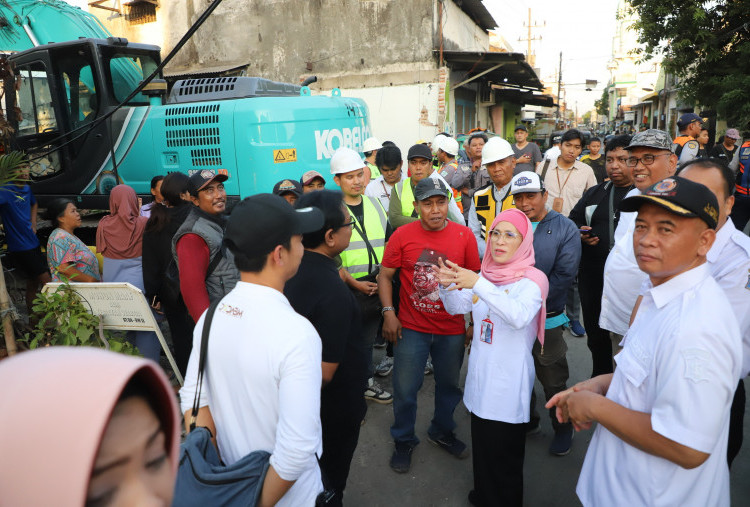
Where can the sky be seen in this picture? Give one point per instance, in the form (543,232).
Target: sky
(581,30)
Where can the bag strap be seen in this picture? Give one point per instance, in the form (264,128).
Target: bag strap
(544,169)
(370,250)
(215,261)
(202,362)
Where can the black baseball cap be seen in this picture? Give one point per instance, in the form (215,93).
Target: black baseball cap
(261,222)
(679,196)
(428,187)
(285,186)
(419,151)
(199,179)
(520,127)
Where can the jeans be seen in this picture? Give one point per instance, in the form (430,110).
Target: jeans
(409,359)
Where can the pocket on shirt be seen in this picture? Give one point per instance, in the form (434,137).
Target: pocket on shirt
(631,368)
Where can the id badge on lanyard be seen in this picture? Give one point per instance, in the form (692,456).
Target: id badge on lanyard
(485,333)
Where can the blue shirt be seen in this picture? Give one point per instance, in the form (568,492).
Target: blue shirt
(15,210)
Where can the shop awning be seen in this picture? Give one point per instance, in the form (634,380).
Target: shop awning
(505,69)
(476,10)
(527,98)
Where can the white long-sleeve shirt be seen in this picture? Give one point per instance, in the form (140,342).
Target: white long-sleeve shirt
(501,373)
(262,384)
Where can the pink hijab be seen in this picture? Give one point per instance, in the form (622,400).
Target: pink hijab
(521,265)
(56,404)
(120,234)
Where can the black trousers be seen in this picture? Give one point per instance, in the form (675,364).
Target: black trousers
(181,327)
(736,421)
(590,287)
(341,419)
(498,450)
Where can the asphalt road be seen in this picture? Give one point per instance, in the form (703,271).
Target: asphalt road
(438,479)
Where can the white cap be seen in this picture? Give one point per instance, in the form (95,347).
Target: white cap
(496,149)
(526,181)
(449,145)
(346,160)
(437,143)
(370,144)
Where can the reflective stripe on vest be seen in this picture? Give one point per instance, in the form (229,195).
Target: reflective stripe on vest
(356,259)
(742,183)
(485,206)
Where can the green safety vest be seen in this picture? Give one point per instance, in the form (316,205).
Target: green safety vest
(406,194)
(356,259)
(374,171)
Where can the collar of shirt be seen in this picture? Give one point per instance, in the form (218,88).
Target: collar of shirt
(256,291)
(502,193)
(669,290)
(319,259)
(723,236)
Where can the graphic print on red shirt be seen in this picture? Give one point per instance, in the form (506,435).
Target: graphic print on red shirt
(416,252)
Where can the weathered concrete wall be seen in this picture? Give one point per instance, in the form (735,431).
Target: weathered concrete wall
(459,31)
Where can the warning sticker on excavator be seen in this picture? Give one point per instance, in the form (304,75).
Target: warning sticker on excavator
(286,155)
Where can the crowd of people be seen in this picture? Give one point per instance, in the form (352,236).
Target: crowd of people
(426,257)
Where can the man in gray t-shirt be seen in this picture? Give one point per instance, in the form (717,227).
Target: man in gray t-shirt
(527,154)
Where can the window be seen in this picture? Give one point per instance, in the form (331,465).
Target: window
(34,99)
(126,71)
(80,91)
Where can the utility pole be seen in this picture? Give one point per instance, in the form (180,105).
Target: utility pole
(559,86)
(530,57)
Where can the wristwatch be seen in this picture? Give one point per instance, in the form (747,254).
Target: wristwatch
(387,309)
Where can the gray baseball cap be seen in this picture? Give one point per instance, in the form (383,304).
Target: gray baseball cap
(651,138)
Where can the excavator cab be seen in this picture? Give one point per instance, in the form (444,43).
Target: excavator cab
(64,91)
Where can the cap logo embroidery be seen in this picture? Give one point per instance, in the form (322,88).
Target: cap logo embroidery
(523,181)
(665,185)
(207,173)
(287,185)
(711,211)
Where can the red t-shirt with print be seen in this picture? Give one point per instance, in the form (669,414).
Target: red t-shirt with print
(416,251)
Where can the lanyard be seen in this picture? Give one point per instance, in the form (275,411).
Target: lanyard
(557,171)
(387,193)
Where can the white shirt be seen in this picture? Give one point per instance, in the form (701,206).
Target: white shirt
(262,384)
(475,225)
(380,190)
(729,262)
(501,374)
(623,278)
(680,363)
(552,153)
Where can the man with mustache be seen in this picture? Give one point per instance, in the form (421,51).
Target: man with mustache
(207,270)
(650,160)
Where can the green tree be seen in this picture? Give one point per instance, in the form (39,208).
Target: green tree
(586,118)
(602,105)
(705,44)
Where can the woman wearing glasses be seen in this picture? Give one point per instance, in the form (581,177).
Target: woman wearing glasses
(506,300)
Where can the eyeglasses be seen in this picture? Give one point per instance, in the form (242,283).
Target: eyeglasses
(647,159)
(346,224)
(506,235)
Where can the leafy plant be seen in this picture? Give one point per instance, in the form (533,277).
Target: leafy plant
(65,321)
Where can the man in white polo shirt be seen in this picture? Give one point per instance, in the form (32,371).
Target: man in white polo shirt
(261,389)
(650,161)
(664,413)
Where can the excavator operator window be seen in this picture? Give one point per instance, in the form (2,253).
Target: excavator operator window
(126,71)
(80,91)
(34,99)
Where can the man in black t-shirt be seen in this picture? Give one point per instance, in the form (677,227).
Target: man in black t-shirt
(597,212)
(318,293)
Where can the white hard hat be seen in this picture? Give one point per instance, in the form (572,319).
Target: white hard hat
(370,144)
(449,145)
(346,160)
(437,142)
(496,149)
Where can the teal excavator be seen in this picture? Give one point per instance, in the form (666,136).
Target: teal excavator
(92,111)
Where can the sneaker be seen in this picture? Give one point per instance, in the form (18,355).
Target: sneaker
(377,394)
(562,440)
(451,445)
(385,367)
(401,458)
(428,367)
(576,329)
